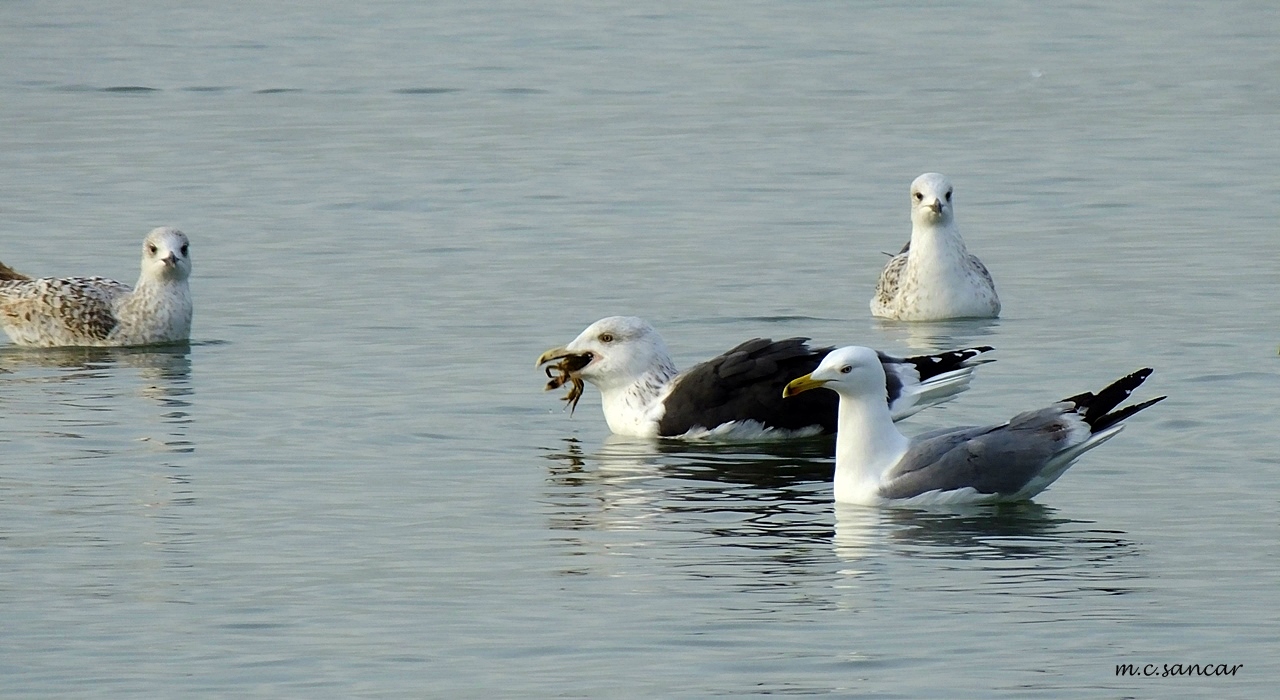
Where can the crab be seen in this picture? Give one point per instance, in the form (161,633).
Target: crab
(565,372)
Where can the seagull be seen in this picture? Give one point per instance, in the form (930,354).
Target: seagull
(736,396)
(95,311)
(1011,461)
(934,277)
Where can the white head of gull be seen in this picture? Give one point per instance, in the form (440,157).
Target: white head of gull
(96,311)
(934,277)
(736,395)
(1011,461)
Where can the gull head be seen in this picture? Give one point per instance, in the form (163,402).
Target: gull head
(849,371)
(612,352)
(166,255)
(931,200)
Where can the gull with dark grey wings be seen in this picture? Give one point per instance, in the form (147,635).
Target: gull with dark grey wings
(737,395)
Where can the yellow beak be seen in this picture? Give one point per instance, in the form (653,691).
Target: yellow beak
(802,384)
(552,354)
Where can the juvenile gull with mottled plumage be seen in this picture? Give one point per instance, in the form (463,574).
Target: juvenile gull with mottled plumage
(934,277)
(95,311)
(738,395)
(1012,461)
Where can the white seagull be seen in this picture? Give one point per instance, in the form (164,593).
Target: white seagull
(1012,461)
(95,311)
(738,395)
(934,277)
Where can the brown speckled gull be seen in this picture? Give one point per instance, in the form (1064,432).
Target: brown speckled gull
(95,311)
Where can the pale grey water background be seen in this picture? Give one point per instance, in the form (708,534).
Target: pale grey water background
(351,484)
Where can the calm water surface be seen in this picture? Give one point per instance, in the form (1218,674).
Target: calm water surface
(350,484)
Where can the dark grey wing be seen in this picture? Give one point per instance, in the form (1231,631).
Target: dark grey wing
(746,383)
(997,459)
(1003,459)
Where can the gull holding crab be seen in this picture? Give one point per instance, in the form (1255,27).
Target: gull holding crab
(737,395)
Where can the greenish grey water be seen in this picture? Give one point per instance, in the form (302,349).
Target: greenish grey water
(351,484)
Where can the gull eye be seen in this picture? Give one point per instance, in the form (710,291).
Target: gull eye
(184,250)
(948,195)
(606,337)
(919,196)
(151,249)
(846,369)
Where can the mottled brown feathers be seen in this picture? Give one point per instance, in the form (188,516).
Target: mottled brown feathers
(96,311)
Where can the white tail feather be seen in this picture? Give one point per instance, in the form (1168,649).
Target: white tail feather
(931,392)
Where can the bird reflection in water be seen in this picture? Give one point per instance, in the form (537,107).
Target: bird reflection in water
(658,498)
(106,435)
(1028,548)
(89,395)
(648,499)
(688,473)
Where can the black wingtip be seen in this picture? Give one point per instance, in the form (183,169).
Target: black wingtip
(1099,409)
(1114,417)
(932,365)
